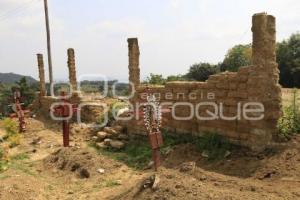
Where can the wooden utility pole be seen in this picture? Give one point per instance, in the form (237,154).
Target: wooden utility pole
(48,42)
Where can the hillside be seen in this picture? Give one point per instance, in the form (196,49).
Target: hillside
(12,78)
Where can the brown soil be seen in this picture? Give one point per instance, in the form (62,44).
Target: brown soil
(53,172)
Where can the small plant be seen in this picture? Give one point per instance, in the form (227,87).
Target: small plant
(289,123)
(136,154)
(3,159)
(12,133)
(10,126)
(214,144)
(21,156)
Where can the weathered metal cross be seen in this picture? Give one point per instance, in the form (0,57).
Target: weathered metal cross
(17,108)
(65,110)
(152,114)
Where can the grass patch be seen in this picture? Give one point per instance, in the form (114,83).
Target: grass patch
(21,156)
(289,123)
(22,167)
(3,176)
(137,152)
(111,183)
(3,165)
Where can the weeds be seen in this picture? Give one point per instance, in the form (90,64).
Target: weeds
(137,152)
(21,156)
(12,134)
(10,126)
(289,123)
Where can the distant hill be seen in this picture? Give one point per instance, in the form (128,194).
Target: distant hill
(8,78)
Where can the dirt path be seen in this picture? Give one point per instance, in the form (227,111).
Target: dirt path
(52,172)
(31,179)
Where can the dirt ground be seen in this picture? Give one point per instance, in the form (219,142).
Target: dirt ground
(52,172)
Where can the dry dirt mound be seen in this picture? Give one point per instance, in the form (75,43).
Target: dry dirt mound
(79,162)
(285,165)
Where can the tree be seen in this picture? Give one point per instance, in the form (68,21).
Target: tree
(176,78)
(155,79)
(27,93)
(288,58)
(238,56)
(201,71)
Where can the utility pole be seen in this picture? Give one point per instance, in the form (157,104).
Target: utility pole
(48,42)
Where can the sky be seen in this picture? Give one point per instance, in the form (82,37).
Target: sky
(173,34)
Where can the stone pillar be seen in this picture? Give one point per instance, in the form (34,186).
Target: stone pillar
(134,56)
(264,79)
(41,75)
(264,39)
(72,69)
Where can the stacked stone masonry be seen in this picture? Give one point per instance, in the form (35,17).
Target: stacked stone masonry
(41,74)
(72,69)
(256,83)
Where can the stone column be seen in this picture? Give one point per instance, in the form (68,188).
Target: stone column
(134,56)
(264,79)
(41,74)
(72,69)
(264,39)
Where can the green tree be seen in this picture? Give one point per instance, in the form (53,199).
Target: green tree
(238,56)
(201,71)
(288,58)
(155,79)
(27,92)
(176,78)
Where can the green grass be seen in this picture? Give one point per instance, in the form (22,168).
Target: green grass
(21,156)
(137,153)
(111,183)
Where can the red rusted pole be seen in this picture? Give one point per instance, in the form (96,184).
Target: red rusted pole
(66,133)
(66,125)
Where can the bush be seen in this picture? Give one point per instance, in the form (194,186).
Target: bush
(10,126)
(14,140)
(3,159)
(12,133)
(289,123)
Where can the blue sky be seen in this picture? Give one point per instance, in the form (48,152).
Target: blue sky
(173,34)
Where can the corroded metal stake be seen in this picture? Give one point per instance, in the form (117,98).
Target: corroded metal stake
(17,108)
(65,110)
(152,114)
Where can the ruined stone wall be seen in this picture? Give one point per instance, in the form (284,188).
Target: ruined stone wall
(256,83)
(41,74)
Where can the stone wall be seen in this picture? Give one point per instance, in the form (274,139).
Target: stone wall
(256,83)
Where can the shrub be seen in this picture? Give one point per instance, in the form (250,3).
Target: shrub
(10,126)
(12,133)
(289,123)
(14,140)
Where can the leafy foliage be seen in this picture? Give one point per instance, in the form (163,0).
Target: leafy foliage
(288,58)
(201,71)
(238,56)
(155,79)
(289,123)
(137,152)
(27,92)
(10,126)
(12,132)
